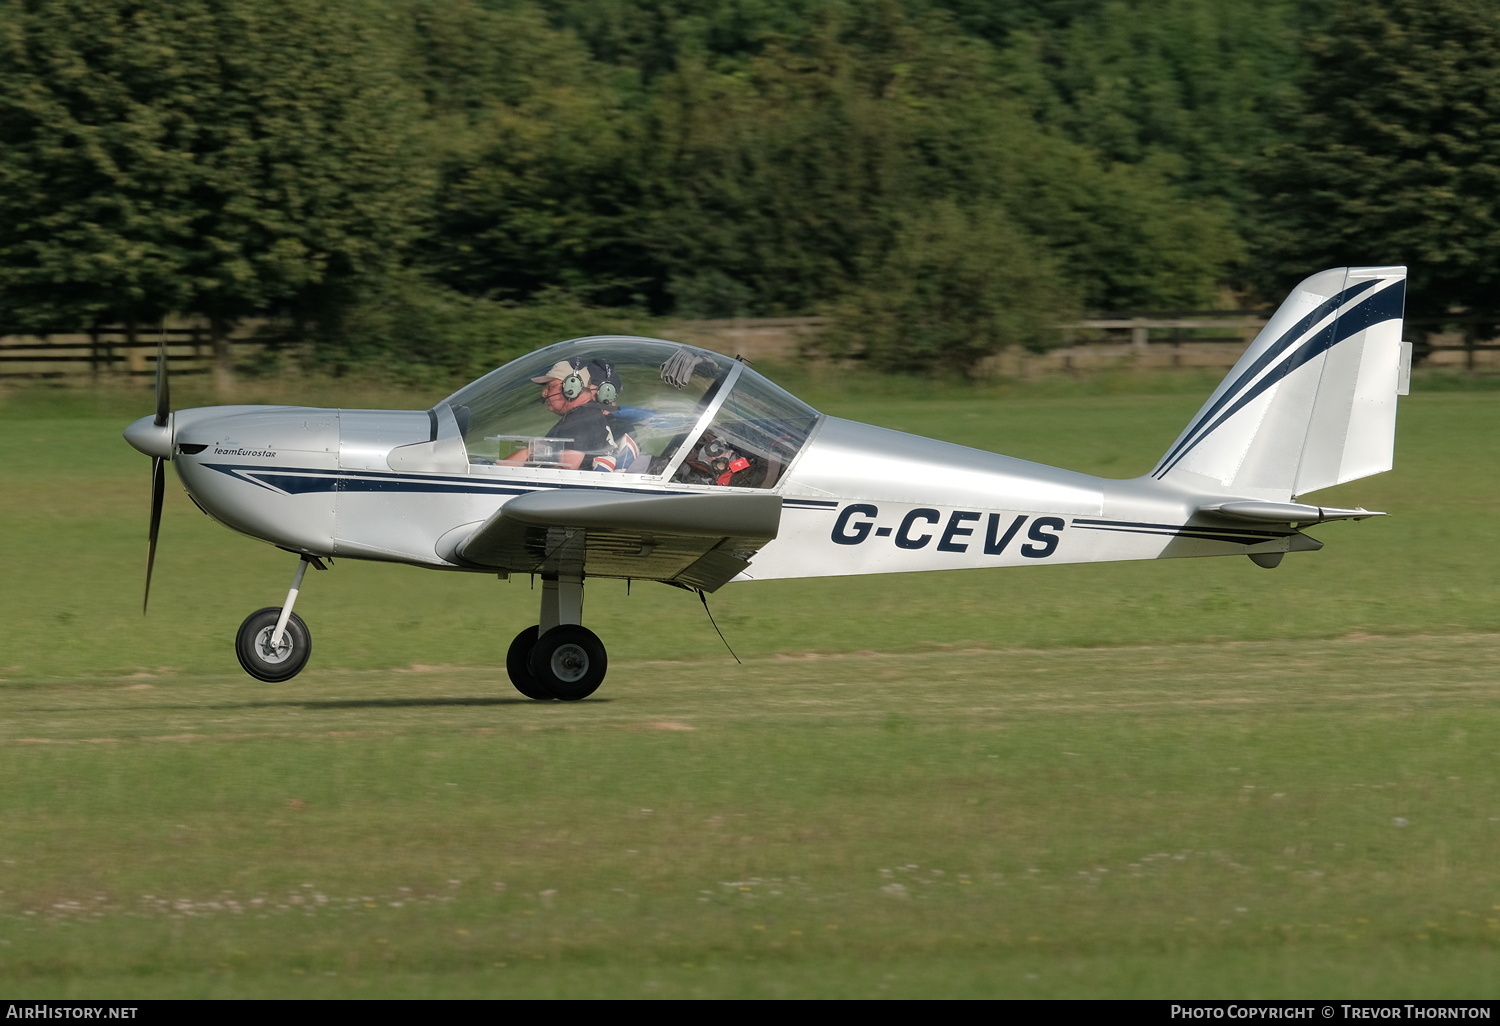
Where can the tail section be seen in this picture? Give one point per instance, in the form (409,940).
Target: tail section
(1312,403)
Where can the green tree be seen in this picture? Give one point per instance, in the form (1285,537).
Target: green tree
(652,37)
(958,285)
(213,157)
(536,187)
(792,172)
(1137,80)
(1395,156)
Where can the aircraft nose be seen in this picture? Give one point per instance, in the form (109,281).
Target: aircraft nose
(151,439)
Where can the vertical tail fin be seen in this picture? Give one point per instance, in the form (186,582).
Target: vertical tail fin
(1312,403)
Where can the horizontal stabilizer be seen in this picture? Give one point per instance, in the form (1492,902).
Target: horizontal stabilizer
(1257,511)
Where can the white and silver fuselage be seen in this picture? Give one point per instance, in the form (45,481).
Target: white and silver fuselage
(857,500)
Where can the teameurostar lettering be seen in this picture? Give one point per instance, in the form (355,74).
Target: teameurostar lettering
(959,531)
(67,1012)
(243,452)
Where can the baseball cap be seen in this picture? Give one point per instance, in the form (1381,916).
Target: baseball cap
(561,369)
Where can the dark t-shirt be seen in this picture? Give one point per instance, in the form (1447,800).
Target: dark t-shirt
(588,427)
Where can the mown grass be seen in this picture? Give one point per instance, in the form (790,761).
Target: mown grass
(1186,778)
(1255,819)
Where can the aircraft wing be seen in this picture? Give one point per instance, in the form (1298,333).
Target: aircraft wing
(698,540)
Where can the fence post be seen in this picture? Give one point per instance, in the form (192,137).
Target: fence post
(223,366)
(135,359)
(1140,336)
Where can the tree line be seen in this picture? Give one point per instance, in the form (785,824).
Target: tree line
(437,185)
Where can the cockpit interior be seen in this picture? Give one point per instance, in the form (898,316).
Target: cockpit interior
(632,406)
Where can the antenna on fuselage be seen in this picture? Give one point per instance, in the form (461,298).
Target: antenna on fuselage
(704,599)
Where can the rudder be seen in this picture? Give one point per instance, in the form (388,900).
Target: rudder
(1312,402)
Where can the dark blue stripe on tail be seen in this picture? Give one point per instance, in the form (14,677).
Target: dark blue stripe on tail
(1383,306)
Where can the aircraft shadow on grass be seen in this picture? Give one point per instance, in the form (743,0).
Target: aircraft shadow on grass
(305,703)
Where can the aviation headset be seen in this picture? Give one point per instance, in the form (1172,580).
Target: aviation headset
(572,385)
(608,392)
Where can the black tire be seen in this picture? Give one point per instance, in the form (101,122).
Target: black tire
(252,645)
(518,665)
(569,661)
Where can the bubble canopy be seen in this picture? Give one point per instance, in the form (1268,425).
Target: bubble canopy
(635,406)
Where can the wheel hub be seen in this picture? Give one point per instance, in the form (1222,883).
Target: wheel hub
(570,663)
(280,652)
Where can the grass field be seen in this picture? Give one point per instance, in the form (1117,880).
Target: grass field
(1174,779)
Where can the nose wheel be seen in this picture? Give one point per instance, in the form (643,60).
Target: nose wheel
(273,643)
(567,663)
(266,657)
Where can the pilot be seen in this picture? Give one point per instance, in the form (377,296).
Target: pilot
(569,389)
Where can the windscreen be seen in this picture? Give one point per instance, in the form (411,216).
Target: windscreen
(754,436)
(610,404)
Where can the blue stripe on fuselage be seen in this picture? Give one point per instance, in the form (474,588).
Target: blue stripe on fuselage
(305,481)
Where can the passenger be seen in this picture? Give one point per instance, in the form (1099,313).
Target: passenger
(624,452)
(714,462)
(605,382)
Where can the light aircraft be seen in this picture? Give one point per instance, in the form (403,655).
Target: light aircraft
(648,460)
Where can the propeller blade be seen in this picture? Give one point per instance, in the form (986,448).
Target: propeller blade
(158,494)
(163,391)
(158,463)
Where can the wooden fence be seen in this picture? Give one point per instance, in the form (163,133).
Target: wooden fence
(118,352)
(1175,339)
(1170,336)
(1208,338)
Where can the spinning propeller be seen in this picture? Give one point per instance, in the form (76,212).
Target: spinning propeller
(158,463)
(153,436)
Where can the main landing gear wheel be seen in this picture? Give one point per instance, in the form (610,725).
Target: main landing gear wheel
(569,662)
(518,665)
(260,659)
